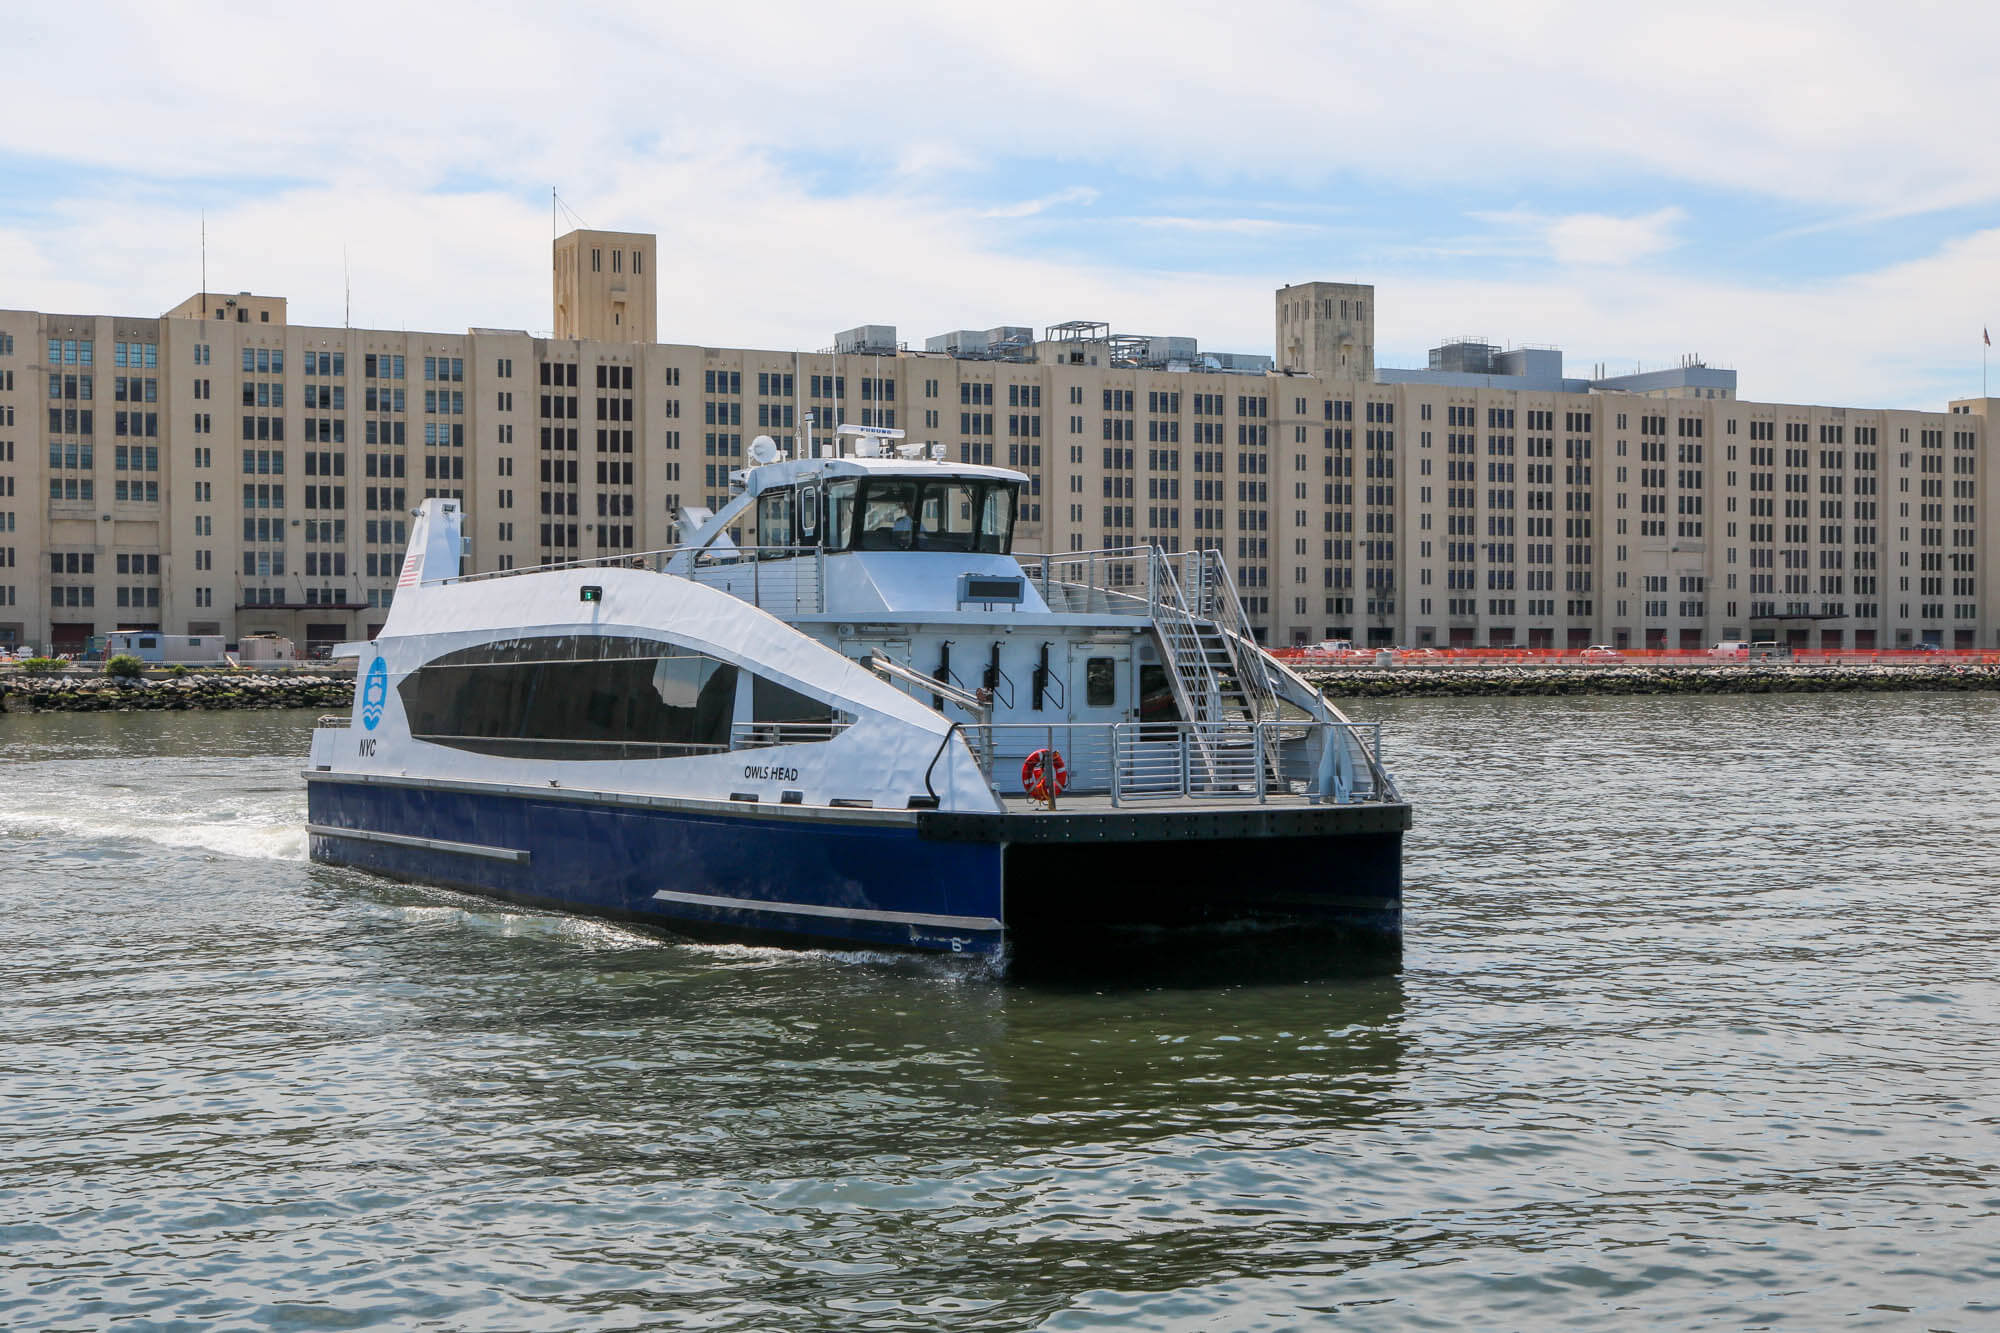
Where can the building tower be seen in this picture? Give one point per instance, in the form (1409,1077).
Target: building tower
(1327,329)
(604,286)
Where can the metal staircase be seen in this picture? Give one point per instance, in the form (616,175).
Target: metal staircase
(1218,674)
(1186,648)
(1222,682)
(1227,635)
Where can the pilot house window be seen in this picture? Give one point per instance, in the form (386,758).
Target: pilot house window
(912,514)
(774,518)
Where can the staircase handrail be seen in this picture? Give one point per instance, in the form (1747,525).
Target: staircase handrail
(1186,664)
(1253,668)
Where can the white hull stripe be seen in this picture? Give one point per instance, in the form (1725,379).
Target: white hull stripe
(842,913)
(516,855)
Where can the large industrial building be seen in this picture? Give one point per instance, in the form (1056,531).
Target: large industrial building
(219,470)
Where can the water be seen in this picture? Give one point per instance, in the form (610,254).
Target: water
(1695,1026)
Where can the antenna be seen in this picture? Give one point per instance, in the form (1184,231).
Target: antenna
(556,203)
(347,279)
(203,312)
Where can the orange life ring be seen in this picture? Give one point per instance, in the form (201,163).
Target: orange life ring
(1041,770)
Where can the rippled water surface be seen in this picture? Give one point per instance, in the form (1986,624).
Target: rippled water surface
(1696,1025)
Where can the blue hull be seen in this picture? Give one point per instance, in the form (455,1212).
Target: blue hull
(714,875)
(925,881)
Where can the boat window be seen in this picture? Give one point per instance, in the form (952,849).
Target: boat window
(1156,696)
(772,702)
(840,525)
(996,519)
(1100,675)
(947,516)
(887,516)
(580,696)
(808,514)
(774,518)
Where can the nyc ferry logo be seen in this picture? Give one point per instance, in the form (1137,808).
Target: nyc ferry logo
(374,693)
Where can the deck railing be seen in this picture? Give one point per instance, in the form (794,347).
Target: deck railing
(774,578)
(762,735)
(1115,582)
(1137,762)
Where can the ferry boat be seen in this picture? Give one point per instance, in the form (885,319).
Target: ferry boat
(874,725)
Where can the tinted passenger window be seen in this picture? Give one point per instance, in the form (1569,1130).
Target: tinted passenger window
(772,702)
(573,697)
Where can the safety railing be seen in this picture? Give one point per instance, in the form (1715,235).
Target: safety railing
(1179,762)
(1313,658)
(1001,747)
(780,579)
(763,735)
(655,560)
(1140,762)
(652,560)
(570,747)
(1112,582)
(1338,762)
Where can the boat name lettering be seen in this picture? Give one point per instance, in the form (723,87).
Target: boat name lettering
(770,773)
(366,748)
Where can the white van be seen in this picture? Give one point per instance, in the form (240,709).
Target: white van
(1731,650)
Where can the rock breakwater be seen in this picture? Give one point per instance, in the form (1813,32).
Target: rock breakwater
(1448,682)
(68,693)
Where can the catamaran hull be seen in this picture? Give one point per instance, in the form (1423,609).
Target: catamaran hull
(924,881)
(850,881)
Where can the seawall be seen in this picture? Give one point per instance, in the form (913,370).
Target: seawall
(97,693)
(1502,681)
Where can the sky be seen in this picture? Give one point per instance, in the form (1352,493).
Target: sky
(1807,194)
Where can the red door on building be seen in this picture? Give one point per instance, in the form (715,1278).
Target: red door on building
(70,636)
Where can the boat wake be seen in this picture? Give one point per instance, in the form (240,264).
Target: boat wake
(84,803)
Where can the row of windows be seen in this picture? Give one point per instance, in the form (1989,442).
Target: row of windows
(589,697)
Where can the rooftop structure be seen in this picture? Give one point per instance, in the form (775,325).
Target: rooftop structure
(1476,363)
(867,340)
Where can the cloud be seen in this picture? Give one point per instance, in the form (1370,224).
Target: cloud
(1598,238)
(720,136)
(1027,208)
(930,157)
(1587,238)
(1832,105)
(1903,335)
(1230,226)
